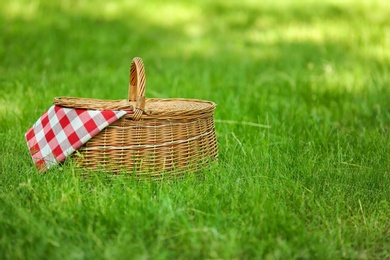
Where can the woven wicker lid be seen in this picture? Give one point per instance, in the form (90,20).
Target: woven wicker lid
(178,106)
(137,104)
(93,104)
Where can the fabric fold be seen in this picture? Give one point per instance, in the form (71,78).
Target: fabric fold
(60,131)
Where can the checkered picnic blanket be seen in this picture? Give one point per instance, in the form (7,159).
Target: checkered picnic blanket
(60,131)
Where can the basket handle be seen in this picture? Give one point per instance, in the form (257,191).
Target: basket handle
(137,87)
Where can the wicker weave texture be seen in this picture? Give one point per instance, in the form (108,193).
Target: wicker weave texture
(152,148)
(157,138)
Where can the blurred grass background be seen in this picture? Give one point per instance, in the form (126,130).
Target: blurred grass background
(314,185)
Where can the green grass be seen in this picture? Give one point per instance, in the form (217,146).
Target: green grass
(313,186)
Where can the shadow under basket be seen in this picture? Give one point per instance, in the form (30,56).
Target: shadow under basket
(156,138)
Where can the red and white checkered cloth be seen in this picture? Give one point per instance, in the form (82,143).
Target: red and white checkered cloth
(60,131)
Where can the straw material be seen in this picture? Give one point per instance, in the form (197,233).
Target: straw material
(158,137)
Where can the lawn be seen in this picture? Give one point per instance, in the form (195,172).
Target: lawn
(303,125)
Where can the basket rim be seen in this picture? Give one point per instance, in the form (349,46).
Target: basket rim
(154,106)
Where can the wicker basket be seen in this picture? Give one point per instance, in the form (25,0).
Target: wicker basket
(158,137)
